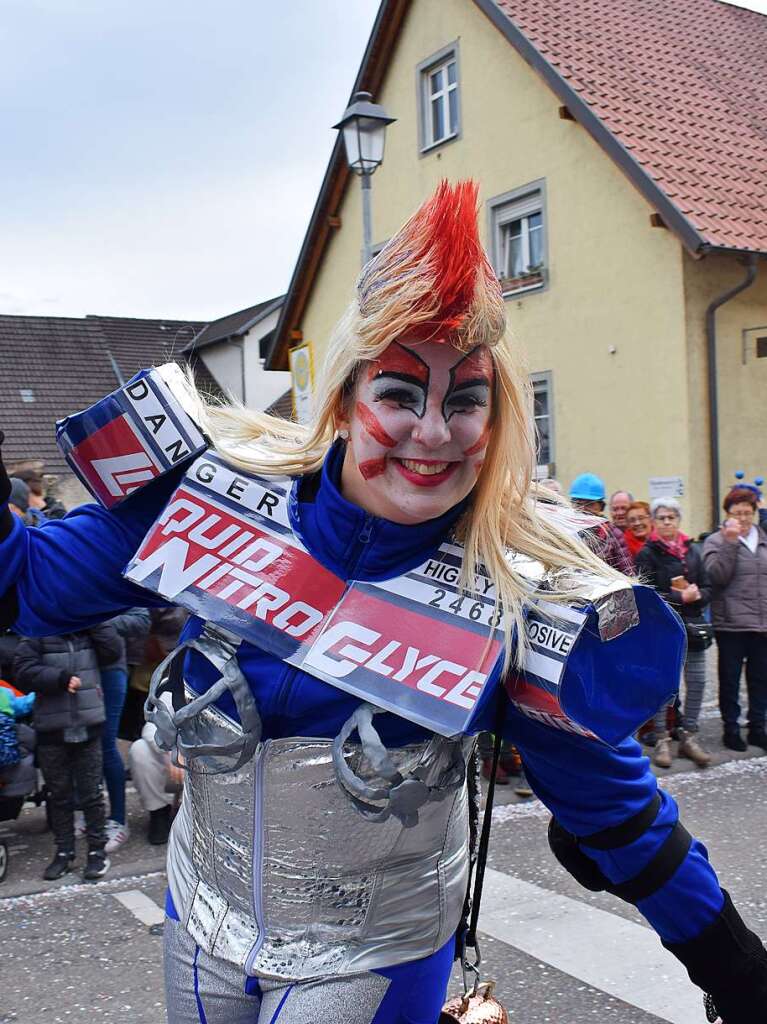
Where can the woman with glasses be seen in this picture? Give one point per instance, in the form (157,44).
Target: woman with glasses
(736,562)
(638,527)
(671,563)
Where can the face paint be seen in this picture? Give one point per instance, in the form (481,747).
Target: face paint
(372,425)
(373,467)
(418,430)
(400,375)
(471,380)
(481,443)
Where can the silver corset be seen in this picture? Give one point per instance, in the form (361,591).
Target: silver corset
(272,866)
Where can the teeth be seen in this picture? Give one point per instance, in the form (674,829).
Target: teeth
(425,468)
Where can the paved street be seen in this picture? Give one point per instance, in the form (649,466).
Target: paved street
(72,951)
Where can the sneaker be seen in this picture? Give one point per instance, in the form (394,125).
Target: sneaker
(690,746)
(662,754)
(117,835)
(97,865)
(61,863)
(523,788)
(79,824)
(159,826)
(758,738)
(734,741)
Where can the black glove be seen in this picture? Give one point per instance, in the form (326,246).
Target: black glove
(5,492)
(728,961)
(5,483)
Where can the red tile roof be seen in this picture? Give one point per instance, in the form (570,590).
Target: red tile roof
(682,86)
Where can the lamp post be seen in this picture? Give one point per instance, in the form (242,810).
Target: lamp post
(364,130)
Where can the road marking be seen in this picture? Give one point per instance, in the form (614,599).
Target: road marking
(141,906)
(680,780)
(623,959)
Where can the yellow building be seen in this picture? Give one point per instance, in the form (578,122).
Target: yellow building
(622,163)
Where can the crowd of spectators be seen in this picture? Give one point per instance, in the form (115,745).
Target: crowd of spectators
(718,585)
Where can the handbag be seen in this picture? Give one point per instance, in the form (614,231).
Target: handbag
(700,634)
(477,1005)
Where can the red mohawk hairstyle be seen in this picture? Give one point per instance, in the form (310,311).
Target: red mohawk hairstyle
(433,281)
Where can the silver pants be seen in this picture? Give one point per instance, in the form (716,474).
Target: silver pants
(201,989)
(694,685)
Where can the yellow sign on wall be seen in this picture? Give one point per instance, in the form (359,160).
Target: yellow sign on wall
(302,379)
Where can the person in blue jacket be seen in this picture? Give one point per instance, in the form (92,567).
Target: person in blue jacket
(368,593)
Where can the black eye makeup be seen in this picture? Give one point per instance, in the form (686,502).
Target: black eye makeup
(467,397)
(400,390)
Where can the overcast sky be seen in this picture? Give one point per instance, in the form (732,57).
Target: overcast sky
(163,158)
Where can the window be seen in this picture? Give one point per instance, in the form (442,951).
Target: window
(544,420)
(518,238)
(439,98)
(761,348)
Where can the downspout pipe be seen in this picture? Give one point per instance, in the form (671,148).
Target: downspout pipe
(713,391)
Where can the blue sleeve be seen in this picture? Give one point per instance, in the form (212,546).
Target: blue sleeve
(67,574)
(589,786)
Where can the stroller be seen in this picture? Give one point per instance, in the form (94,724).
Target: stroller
(17,783)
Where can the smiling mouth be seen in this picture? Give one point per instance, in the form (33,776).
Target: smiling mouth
(425,473)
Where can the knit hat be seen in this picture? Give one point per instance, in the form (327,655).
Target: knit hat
(19,494)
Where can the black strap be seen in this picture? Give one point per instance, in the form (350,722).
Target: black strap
(659,870)
(487,821)
(627,832)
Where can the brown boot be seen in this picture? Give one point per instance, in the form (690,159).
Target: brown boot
(689,746)
(662,754)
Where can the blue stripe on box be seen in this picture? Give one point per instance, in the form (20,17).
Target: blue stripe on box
(74,429)
(149,439)
(171,413)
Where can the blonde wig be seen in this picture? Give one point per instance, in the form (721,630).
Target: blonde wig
(433,281)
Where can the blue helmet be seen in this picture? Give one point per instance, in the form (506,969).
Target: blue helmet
(588,487)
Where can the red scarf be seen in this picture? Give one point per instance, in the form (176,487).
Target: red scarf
(677,548)
(634,544)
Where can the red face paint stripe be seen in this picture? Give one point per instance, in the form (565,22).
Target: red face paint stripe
(480,443)
(478,363)
(398,359)
(372,467)
(370,423)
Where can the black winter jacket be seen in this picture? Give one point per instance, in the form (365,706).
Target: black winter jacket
(46,664)
(657,566)
(133,626)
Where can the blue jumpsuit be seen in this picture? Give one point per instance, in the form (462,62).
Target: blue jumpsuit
(67,575)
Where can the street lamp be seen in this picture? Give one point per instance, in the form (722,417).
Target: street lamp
(364,130)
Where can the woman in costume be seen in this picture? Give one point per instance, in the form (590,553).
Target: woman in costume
(399,588)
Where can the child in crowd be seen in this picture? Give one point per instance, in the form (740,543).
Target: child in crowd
(68,716)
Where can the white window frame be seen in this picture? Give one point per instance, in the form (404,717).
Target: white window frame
(544,378)
(438,61)
(519,204)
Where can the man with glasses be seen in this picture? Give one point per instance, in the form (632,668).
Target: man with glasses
(736,561)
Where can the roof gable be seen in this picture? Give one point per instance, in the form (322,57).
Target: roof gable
(674,92)
(232,325)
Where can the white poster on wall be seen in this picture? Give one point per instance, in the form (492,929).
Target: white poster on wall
(666,487)
(302,378)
